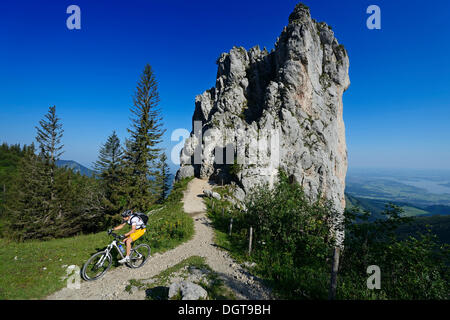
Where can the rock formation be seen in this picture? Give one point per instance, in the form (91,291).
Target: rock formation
(279,109)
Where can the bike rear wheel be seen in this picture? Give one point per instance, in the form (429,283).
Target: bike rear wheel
(96,266)
(139,256)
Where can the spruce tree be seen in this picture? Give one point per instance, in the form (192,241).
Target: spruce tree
(10,156)
(35,209)
(142,146)
(47,202)
(163,178)
(49,136)
(79,203)
(110,155)
(28,202)
(109,170)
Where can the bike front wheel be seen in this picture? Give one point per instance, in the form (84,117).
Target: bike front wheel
(139,256)
(96,266)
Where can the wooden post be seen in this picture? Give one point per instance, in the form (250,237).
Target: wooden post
(334,272)
(222,212)
(250,242)
(231,226)
(213,205)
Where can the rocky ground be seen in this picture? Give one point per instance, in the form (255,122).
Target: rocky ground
(234,276)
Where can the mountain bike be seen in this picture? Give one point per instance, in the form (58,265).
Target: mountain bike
(99,263)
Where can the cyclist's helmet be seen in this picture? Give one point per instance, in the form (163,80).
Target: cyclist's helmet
(127,213)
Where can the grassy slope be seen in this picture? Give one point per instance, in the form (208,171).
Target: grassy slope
(25,277)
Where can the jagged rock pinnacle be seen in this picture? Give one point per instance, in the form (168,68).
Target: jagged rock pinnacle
(288,101)
(300,12)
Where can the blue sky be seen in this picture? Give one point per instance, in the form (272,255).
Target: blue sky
(396,111)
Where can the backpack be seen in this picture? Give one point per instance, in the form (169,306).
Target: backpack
(141,216)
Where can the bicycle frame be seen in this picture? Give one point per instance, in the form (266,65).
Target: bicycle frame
(109,248)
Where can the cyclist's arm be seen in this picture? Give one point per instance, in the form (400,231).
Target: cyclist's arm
(119,226)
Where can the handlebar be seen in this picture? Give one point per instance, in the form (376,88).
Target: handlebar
(117,236)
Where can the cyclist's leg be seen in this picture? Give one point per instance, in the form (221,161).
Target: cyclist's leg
(128,242)
(131,238)
(137,234)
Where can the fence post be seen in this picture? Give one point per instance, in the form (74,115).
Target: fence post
(334,272)
(231,226)
(250,242)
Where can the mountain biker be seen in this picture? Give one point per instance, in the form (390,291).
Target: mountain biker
(137,231)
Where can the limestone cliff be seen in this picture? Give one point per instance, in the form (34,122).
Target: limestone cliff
(275,109)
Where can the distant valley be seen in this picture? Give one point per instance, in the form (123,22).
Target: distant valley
(419,192)
(423,194)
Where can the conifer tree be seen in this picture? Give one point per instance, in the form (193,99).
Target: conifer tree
(163,178)
(108,167)
(49,136)
(35,208)
(79,203)
(48,202)
(142,146)
(28,202)
(10,156)
(110,155)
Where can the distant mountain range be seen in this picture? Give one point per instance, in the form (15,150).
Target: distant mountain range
(75,166)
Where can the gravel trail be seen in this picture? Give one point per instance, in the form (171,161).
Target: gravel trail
(112,285)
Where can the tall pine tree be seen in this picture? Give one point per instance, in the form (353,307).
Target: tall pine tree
(49,136)
(142,146)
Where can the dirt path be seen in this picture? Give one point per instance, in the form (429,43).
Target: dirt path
(112,285)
